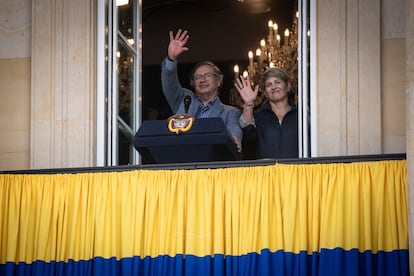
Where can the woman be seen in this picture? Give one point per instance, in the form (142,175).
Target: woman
(271,131)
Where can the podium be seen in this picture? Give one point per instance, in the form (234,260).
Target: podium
(207,140)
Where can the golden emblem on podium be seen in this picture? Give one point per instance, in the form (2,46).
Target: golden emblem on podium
(180,123)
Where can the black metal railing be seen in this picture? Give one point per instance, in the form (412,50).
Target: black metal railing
(218,164)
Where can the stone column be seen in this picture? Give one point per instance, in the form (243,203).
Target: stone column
(63,84)
(348,77)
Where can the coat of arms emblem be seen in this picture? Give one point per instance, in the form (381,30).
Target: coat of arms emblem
(180,123)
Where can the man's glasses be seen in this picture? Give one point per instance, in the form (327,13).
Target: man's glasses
(205,76)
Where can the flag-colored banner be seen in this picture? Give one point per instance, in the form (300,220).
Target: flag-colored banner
(305,219)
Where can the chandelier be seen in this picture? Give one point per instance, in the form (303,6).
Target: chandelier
(274,51)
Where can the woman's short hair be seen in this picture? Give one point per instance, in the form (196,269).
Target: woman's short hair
(274,72)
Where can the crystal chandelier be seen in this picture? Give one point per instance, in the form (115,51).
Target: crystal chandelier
(274,51)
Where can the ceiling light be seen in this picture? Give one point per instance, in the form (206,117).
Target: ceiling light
(122,2)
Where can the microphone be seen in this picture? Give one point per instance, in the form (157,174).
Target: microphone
(187,102)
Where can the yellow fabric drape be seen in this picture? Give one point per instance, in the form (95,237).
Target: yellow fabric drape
(230,211)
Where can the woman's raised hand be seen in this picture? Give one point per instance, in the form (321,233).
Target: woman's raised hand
(245,89)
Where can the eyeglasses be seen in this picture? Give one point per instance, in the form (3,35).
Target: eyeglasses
(205,76)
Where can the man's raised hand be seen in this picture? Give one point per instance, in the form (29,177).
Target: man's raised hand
(177,43)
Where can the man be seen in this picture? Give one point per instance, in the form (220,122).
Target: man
(206,78)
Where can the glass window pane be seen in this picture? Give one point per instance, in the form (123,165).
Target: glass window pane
(126,79)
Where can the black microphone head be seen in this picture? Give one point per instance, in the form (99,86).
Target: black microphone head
(187,102)
(187,99)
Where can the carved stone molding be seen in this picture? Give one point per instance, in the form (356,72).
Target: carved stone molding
(348,81)
(62,85)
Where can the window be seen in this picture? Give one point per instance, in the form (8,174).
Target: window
(121,67)
(119,90)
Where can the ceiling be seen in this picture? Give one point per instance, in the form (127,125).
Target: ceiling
(253,6)
(207,4)
(219,29)
(203,3)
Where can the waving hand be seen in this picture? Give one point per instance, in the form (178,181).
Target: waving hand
(177,43)
(246,91)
